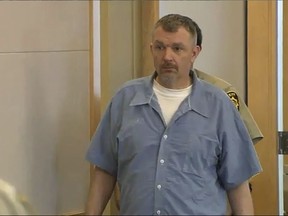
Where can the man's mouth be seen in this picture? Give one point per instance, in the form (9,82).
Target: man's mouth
(168,67)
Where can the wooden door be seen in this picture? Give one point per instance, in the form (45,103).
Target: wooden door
(261,56)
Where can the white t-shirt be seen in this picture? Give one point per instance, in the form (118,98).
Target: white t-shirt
(169,99)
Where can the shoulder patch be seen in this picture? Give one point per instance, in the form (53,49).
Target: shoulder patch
(234,98)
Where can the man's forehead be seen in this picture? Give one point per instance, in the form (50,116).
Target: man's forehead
(180,43)
(180,29)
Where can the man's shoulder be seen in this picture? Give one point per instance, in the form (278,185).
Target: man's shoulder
(137,82)
(207,83)
(210,91)
(214,80)
(217,82)
(131,89)
(133,85)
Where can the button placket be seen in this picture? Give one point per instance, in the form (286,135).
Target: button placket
(160,174)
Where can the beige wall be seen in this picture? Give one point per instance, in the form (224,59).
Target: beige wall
(44,96)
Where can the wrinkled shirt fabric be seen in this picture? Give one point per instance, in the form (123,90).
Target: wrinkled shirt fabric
(183,168)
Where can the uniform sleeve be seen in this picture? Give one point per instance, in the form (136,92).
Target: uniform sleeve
(245,114)
(102,150)
(238,161)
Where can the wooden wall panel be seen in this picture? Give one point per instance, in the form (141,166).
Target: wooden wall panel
(150,14)
(262,99)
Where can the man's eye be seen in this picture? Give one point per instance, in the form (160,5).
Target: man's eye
(158,47)
(177,49)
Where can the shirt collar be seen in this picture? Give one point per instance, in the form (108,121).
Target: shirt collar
(145,92)
(197,100)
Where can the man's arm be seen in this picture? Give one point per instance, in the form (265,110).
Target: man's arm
(100,191)
(240,200)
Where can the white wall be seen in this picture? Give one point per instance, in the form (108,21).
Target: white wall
(44,97)
(223,28)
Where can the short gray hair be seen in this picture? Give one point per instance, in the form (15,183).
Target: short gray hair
(172,22)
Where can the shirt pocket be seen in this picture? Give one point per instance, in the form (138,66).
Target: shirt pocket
(202,155)
(135,141)
(199,164)
(128,143)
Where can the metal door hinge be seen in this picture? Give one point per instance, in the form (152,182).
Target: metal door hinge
(283,142)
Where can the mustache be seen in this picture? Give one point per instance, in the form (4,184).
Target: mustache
(168,65)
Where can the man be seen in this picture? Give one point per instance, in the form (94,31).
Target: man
(251,125)
(174,143)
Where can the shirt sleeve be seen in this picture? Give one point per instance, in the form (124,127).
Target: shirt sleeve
(102,150)
(238,161)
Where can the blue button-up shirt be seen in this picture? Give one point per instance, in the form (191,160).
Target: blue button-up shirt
(181,168)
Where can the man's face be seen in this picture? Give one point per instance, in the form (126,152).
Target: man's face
(173,54)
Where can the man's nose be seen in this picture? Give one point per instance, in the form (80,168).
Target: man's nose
(168,54)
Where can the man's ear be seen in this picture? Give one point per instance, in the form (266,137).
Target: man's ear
(196,50)
(151,47)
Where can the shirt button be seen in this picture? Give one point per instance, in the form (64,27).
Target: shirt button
(162,161)
(159,187)
(165,136)
(158,212)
